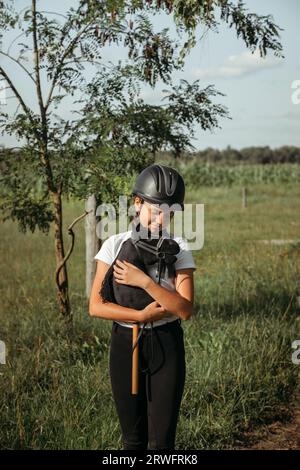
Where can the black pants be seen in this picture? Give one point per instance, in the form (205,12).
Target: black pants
(149,418)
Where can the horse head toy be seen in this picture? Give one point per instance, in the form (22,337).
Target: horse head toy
(142,253)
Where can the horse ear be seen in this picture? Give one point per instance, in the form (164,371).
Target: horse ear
(170,246)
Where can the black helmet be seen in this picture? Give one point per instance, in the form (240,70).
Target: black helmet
(160,184)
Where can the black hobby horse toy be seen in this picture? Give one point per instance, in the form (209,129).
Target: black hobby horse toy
(143,253)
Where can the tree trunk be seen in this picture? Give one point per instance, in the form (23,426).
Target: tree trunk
(62,286)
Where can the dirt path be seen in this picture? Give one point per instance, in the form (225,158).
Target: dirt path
(278,435)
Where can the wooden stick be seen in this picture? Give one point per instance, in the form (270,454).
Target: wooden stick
(135,360)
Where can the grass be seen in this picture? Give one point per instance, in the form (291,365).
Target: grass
(55,387)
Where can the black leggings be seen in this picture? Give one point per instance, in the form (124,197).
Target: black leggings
(150,417)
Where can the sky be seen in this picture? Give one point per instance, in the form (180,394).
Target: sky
(257,91)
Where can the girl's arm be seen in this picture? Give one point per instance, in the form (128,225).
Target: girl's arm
(108,310)
(179,302)
(112,311)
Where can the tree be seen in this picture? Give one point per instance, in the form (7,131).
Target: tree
(108,131)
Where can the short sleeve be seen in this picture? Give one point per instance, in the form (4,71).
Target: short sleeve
(106,252)
(185,258)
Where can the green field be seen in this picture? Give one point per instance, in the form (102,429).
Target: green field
(55,389)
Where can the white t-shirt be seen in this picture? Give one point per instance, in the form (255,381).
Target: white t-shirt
(111,247)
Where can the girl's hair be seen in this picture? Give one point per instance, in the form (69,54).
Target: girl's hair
(137,214)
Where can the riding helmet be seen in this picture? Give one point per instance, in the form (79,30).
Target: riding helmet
(160,184)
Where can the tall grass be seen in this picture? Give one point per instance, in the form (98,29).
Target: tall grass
(55,387)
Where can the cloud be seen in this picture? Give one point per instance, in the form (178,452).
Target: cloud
(240,65)
(289,115)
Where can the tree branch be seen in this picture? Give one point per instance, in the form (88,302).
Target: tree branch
(54,13)
(36,57)
(59,67)
(17,37)
(90,61)
(19,63)
(17,94)
(65,259)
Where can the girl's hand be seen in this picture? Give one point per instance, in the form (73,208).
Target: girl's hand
(129,274)
(154,311)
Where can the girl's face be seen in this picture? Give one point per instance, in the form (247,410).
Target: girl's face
(152,216)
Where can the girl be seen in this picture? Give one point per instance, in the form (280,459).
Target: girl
(149,418)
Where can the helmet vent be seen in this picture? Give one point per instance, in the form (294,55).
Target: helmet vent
(159,181)
(171,179)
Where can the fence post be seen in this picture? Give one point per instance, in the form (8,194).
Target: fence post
(91,243)
(245,197)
